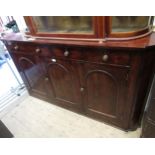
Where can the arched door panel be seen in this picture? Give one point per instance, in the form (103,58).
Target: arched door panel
(31,70)
(65,82)
(105,92)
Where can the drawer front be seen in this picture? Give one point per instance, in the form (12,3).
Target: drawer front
(90,55)
(65,52)
(107,57)
(23,47)
(93,55)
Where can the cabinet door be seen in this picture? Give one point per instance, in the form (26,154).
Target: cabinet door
(105,92)
(65,83)
(32,73)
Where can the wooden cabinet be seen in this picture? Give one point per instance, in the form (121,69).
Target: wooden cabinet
(97,66)
(106,81)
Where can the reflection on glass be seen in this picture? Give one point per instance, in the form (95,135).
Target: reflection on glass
(64,24)
(129,23)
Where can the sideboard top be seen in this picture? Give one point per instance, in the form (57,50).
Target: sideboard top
(141,43)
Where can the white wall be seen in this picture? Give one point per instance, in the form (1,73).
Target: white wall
(20,22)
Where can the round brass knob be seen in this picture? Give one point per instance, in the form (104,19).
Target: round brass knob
(105,57)
(81,89)
(38,50)
(46,79)
(16,47)
(53,60)
(66,53)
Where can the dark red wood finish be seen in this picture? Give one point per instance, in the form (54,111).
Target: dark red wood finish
(139,44)
(31,69)
(106,81)
(105,92)
(65,83)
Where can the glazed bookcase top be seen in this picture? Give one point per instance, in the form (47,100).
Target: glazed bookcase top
(90,27)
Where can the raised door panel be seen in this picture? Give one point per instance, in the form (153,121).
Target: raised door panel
(65,83)
(32,72)
(105,92)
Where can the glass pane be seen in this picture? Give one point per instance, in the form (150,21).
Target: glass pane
(64,24)
(129,23)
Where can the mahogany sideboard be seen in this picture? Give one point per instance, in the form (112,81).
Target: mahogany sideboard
(105,80)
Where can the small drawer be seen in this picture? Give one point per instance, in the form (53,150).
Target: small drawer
(108,57)
(65,52)
(23,47)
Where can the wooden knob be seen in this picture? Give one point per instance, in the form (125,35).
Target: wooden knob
(81,89)
(66,53)
(16,47)
(38,50)
(105,57)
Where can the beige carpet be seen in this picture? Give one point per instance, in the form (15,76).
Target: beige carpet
(35,118)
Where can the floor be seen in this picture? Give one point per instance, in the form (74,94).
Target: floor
(33,118)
